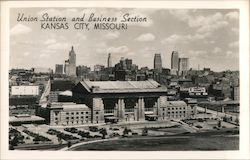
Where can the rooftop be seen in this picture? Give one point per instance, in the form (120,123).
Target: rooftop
(68,105)
(176,103)
(25,118)
(61,85)
(122,86)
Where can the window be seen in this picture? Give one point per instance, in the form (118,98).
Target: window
(72,117)
(56,119)
(87,112)
(72,113)
(67,117)
(168,112)
(67,113)
(56,113)
(82,113)
(176,112)
(77,117)
(82,117)
(77,112)
(163,109)
(172,108)
(96,117)
(87,117)
(96,112)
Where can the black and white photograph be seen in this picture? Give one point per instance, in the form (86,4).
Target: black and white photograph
(129,79)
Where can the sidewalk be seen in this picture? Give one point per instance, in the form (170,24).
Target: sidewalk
(83,143)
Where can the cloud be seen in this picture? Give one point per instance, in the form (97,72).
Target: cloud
(229,53)
(139,12)
(233,15)
(203,24)
(234,44)
(232,54)
(26,53)
(44,55)
(112,35)
(209,23)
(235,30)
(59,46)
(177,38)
(119,50)
(81,36)
(212,26)
(217,50)
(145,37)
(51,12)
(173,39)
(197,52)
(20,29)
(49,41)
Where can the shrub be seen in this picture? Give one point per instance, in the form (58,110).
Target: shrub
(198,126)
(93,129)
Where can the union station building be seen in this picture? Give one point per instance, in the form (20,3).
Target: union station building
(118,101)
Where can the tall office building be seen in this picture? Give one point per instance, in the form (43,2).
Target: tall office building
(174,62)
(129,63)
(109,61)
(59,69)
(157,62)
(123,63)
(183,66)
(70,64)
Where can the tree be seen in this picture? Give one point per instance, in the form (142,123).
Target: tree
(59,139)
(219,123)
(145,131)
(15,141)
(69,144)
(103,131)
(237,121)
(125,131)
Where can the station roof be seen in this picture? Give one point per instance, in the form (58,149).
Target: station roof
(25,118)
(123,86)
(68,106)
(176,103)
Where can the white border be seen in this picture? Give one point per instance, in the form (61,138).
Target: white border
(243,153)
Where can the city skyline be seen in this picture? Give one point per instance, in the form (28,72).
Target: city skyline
(184,31)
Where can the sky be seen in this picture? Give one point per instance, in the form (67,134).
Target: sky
(208,37)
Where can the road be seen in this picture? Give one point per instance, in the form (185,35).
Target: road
(89,142)
(217,114)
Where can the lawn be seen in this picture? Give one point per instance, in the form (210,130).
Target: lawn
(186,142)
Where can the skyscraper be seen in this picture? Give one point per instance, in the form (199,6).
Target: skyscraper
(183,66)
(70,64)
(174,62)
(109,61)
(123,63)
(59,69)
(157,62)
